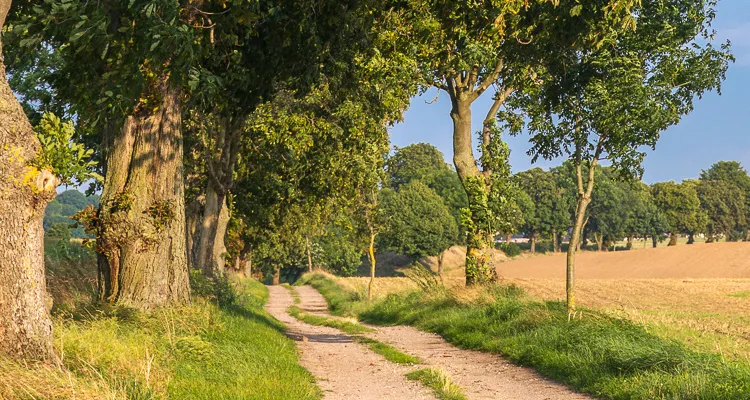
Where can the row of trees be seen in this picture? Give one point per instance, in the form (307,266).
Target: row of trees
(263,122)
(714,205)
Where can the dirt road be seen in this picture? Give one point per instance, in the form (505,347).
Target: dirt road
(345,370)
(480,375)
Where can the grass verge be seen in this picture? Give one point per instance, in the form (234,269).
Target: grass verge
(196,351)
(389,352)
(597,354)
(439,382)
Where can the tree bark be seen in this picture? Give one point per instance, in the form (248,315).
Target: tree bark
(309,256)
(691,238)
(25,324)
(213,229)
(672,239)
(371,256)
(532,241)
(554,241)
(479,268)
(221,149)
(630,242)
(598,238)
(142,241)
(276,275)
(440,264)
(193,219)
(584,198)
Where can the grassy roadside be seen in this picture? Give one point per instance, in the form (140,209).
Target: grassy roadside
(597,354)
(197,351)
(439,382)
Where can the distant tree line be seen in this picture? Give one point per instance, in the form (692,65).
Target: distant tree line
(715,205)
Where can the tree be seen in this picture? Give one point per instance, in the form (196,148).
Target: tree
(733,173)
(608,211)
(419,223)
(424,162)
(414,162)
(681,207)
(724,206)
(604,102)
(541,188)
(642,216)
(25,324)
(127,84)
(467,49)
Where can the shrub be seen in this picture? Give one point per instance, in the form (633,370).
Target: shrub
(510,249)
(217,289)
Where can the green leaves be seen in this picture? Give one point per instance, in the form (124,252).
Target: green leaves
(68,160)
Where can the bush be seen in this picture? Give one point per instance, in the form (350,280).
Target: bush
(510,249)
(217,289)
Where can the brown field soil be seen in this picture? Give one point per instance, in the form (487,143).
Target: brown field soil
(700,260)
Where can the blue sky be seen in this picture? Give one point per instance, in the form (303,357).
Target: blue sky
(718,128)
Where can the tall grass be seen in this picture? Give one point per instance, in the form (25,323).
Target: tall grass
(594,353)
(213,348)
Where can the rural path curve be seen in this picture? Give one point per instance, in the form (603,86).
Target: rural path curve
(344,369)
(481,375)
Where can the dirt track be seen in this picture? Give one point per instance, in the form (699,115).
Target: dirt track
(344,369)
(481,375)
(714,260)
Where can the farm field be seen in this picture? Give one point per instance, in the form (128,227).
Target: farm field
(698,294)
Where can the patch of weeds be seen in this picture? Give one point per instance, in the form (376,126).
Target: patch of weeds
(741,295)
(351,328)
(389,352)
(439,382)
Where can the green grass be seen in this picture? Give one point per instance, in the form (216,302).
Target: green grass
(389,352)
(439,382)
(349,327)
(340,302)
(196,351)
(248,358)
(597,354)
(741,295)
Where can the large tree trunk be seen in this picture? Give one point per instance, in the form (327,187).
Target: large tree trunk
(479,268)
(141,241)
(532,241)
(672,239)
(25,324)
(276,279)
(630,241)
(691,238)
(221,149)
(213,229)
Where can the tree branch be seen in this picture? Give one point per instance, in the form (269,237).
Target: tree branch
(491,78)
